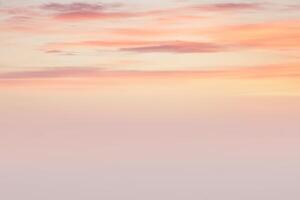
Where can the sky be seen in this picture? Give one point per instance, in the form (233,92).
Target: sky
(140,99)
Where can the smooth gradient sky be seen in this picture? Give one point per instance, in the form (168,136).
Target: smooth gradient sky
(140,99)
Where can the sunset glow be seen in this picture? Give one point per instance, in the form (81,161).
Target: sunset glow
(146,99)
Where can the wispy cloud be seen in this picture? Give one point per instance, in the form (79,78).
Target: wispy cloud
(63,72)
(178,47)
(88,15)
(83,11)
(78,11)
(268,71)
(60,52)
(140,46)
(205,8)
(72,7)
(97,44)
(227,7)
(268,35)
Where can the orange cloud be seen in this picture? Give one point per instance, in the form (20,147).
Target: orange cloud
(178,47)
(220,7)
(261,80)
(51,73)
(269,71)
(213,7)
(98,43)
(268,35)
(140,32)
(145,46)
(196,12)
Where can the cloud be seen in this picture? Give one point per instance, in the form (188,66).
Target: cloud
(204,8)
(89,15)
(89,11)
(72,7)
(227,7)
(291,70)
(54,51)
(294,7)
(64,72)
(83,11)
(274,35)
(140,32)
(178,47)
(97,44)
(268,71)
(141,46)
(59,52)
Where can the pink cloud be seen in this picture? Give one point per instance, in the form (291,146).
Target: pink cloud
(88,11)
(140,32)
(228,6)
(93,11)
(194,9)
(268,71)
(178,47)
(72,7)
(89,15)
(83,11)
(145,46)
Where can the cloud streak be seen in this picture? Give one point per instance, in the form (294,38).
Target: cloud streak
(220,7)
(268,35)
(78,11)
(178,47)
(269,71)
(146,46)
(83,11)
(65,72)
(72,7)
(90,15)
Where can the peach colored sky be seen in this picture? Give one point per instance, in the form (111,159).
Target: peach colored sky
(145,36)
